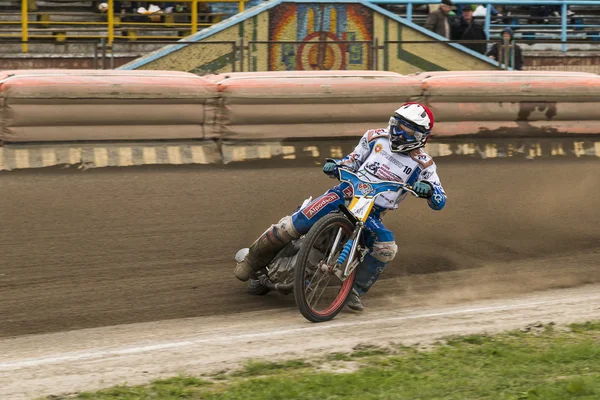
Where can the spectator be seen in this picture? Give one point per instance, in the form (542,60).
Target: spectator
(541,14)
(498,51)
(170,7)
(437,21)
(481,10)
(466,29)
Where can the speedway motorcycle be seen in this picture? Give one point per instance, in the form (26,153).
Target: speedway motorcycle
(319,268)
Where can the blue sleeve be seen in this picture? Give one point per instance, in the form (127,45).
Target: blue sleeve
(438,199)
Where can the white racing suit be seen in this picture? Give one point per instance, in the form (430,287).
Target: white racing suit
(374,161)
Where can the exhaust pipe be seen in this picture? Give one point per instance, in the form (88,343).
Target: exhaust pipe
(285,288)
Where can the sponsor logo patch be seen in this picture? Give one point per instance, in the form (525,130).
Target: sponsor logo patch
(375,133)
(348,192)
(382,172)
(373,167)
(319,204)
(365,188)
(422,158)
(378,148)
(392,159)
(364,143)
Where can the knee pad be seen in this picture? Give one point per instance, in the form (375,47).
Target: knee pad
(283,231)
(384,251)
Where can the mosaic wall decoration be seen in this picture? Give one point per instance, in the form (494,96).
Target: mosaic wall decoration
(290,36)
(319,32)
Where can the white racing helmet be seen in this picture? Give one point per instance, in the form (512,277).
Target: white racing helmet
(410,127)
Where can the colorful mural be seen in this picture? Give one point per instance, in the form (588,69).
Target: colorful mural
(281,35)
(319,33)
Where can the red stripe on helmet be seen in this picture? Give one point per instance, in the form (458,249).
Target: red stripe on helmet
(427,110)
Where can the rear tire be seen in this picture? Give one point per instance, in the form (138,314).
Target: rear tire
(303,266)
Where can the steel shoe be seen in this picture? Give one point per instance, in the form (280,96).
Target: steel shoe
(243,271)
(354,302)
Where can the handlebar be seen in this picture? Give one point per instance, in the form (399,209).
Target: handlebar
(406,187)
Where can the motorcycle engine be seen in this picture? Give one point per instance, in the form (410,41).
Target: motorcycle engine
(281,269)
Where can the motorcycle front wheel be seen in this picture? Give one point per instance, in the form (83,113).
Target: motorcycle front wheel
(320,295)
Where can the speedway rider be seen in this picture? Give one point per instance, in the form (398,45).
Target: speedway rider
(392,154)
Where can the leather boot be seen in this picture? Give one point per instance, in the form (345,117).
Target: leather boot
(265,248)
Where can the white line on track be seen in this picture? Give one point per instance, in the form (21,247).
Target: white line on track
(34,362)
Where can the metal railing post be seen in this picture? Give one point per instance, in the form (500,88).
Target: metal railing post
(96,56)
(194,16)
(512,56)
(249,63)
(103,41)
(233,56)
(409,10)
(563,28)
(241,49)
(24,26)
(488,21)
(111,22)
(241,6)
(374,55)
(505,53)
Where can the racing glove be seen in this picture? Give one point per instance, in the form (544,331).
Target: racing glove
(423,189)
(331,169)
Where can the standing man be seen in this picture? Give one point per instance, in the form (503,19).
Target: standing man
(437,21)
(467,29)
(507,48)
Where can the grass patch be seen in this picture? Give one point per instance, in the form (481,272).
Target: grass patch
(259,368)
(540,364)
(366,350)
(469,339)
(585,327)
(338,357)
(181,387)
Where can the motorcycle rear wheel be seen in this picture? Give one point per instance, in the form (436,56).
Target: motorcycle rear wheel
(308,278)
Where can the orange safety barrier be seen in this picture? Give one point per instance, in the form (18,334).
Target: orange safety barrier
(309,104)
(516,103)
(70,105)
(58,105)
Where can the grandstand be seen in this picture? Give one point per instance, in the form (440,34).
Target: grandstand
(583,23)
(72,21)
(75,27)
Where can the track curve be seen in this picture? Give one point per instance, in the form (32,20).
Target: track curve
(115,246)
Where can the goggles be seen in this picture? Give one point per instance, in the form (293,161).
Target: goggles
(401,127)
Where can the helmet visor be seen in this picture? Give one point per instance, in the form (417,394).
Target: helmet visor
(405,129)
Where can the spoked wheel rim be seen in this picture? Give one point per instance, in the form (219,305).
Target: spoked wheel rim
(324,292)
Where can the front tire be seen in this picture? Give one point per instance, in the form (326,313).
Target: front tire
(308,277)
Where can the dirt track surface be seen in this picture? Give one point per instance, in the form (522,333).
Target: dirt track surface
(120,246)
(94,358)
(107,247)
